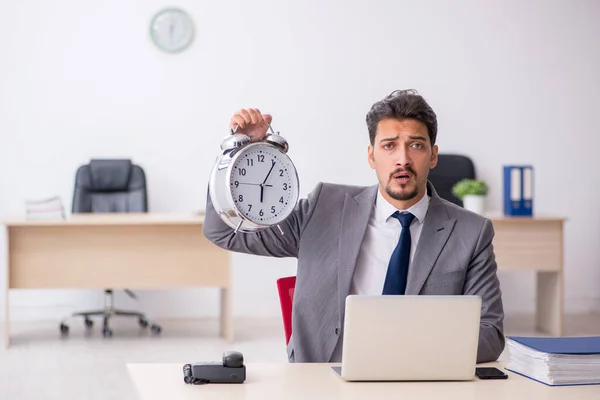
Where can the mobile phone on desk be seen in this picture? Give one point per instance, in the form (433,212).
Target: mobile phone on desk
(489,373)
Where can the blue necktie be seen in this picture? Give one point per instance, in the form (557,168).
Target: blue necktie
(397,272)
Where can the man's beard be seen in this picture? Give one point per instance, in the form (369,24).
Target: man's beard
(402,196)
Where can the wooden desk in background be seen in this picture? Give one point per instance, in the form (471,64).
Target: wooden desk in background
(151,251)
(134,251)
(535,244)
(317,381)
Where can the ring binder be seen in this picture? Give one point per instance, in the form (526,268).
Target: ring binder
(518,190)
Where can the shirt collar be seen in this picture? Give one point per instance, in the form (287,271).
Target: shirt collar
(384,210)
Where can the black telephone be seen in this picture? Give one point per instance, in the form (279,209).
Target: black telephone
(230,370)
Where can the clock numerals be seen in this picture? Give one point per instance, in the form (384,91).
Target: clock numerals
(262,178)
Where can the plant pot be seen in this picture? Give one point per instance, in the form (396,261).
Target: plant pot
(474,202)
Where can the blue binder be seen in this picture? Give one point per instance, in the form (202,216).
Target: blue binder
(584,345)
(572,361)
(518,190)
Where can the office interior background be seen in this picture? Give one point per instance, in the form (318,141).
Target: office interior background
(512,82)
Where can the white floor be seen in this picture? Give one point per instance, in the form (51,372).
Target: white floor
(41,365)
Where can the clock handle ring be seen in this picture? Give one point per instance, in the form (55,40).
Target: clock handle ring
(233,131)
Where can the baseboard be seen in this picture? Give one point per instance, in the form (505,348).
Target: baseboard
(58,312)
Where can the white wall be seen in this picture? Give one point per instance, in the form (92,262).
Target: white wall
(511,81)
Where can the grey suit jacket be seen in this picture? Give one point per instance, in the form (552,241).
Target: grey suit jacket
(454,256)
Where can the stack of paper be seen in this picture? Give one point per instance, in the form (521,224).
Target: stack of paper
(556,361)
(50,208)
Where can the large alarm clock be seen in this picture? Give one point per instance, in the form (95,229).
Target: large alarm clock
(254,186)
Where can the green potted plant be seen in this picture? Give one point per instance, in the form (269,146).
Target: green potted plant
(472,193)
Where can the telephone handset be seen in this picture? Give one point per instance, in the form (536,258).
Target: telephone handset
(230,370)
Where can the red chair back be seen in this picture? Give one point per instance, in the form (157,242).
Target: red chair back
(285,287)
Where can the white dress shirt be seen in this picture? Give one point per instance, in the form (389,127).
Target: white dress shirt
(380,240)
(381,237)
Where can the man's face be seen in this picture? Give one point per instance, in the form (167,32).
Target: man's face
(402,156)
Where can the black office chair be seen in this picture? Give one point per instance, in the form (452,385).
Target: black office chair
(450,169)
(113,186)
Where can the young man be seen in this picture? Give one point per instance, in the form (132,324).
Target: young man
(396,237)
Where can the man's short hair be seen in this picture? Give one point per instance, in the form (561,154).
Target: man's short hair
(402,104)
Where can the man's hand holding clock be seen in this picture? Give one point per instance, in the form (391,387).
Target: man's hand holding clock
(252,123)
(253,155)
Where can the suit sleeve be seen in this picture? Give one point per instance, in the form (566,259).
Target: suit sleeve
(482,280)
(268,242)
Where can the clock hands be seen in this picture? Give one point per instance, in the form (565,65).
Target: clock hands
(269,173)
(171,28)
(262,185)
(254,184)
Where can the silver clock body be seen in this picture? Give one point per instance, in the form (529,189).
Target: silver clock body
(254,186)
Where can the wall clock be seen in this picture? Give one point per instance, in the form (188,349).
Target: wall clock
(172,30)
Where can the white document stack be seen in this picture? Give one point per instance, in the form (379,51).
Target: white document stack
(556,361)
(50,208)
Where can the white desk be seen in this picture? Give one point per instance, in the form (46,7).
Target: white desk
(535,244)
(318,381)
(128,250)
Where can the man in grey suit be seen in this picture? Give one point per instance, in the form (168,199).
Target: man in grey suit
(397,237)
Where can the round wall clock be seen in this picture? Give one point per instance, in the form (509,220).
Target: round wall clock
(172,30)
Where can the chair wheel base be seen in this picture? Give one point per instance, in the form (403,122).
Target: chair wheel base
(106,314)
(156,329)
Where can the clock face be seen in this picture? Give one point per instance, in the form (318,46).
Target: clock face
(263,184)
(172,30)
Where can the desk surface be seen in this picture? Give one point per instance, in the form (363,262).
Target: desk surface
(195,218)
(318,381)
(111,219)
(499,216)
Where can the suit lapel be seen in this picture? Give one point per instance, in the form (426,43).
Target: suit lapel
(355,218)
(437,228)
(356,212)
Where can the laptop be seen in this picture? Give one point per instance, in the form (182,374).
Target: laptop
(410,338)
